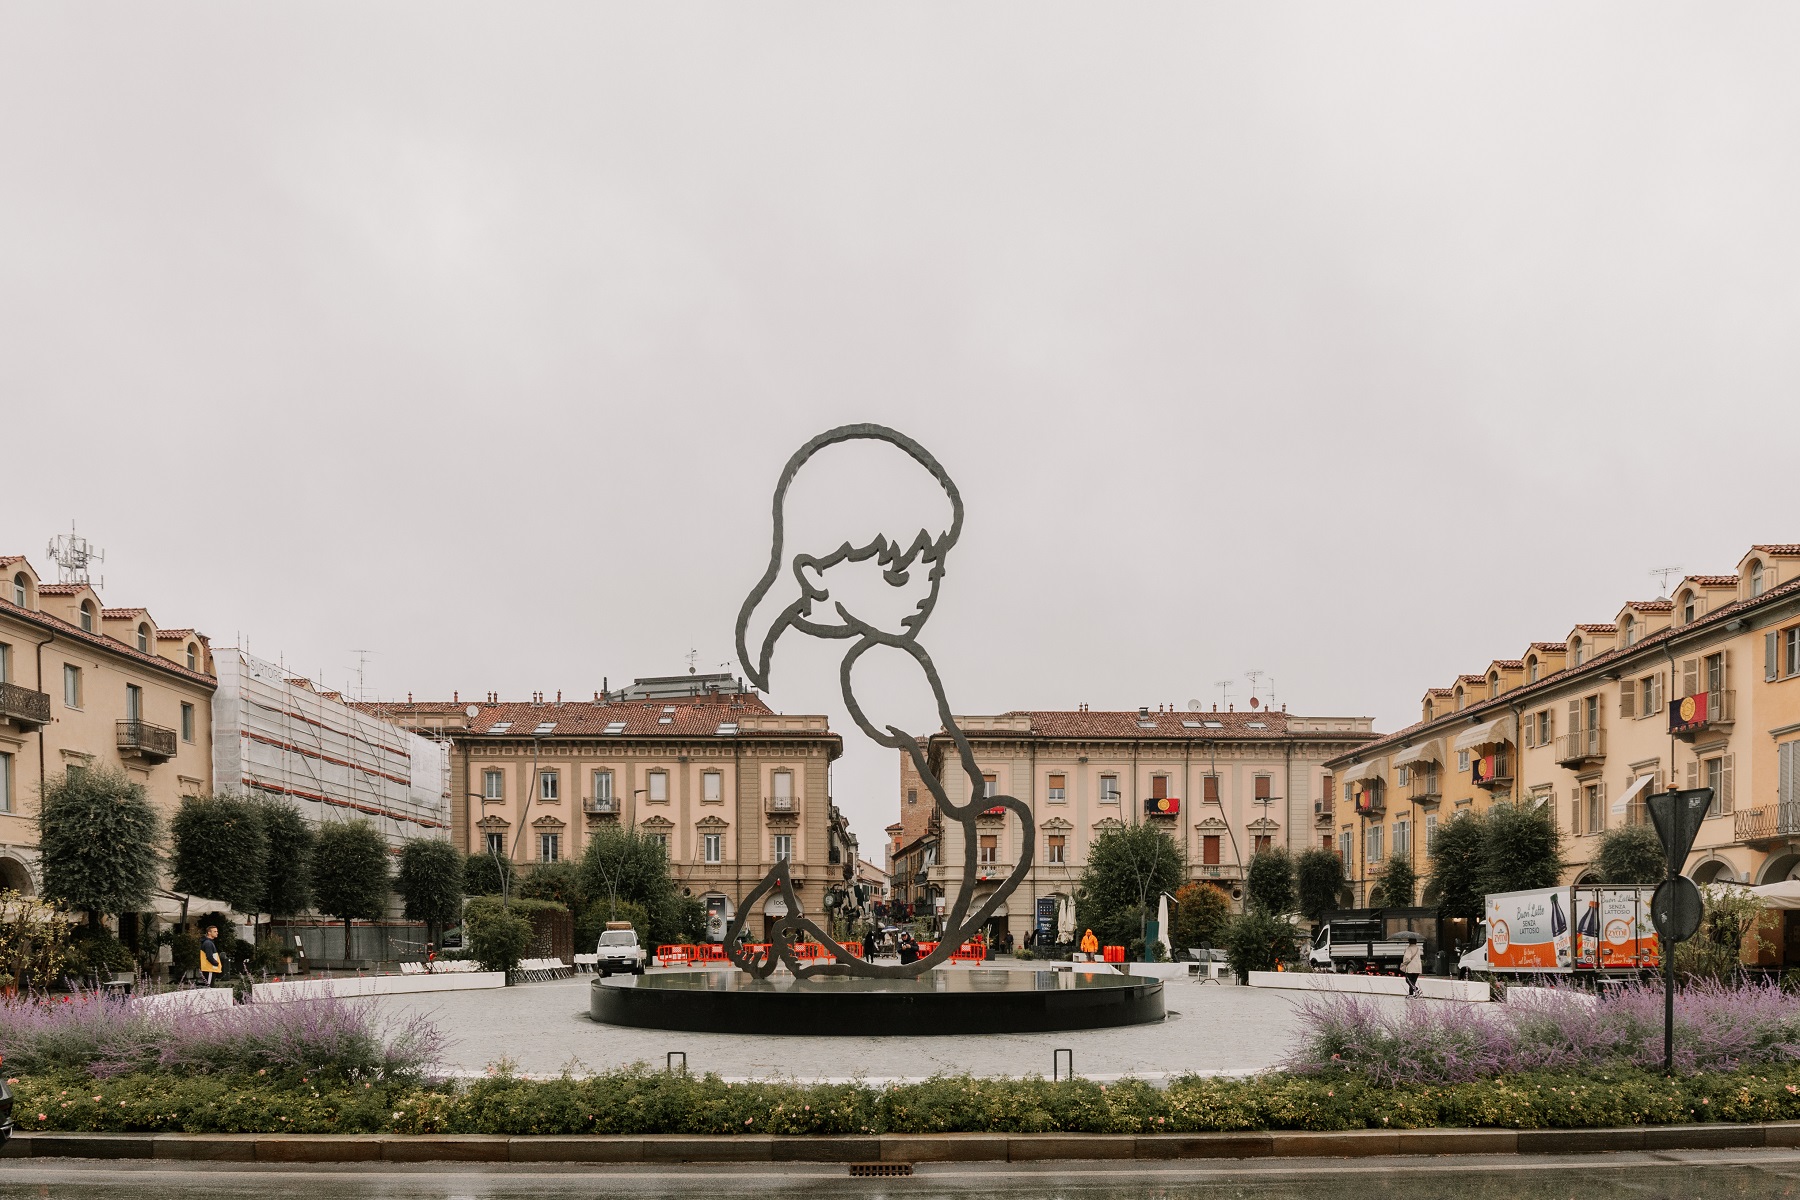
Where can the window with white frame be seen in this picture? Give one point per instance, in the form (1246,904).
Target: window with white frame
(496,844)
(712,846)
(1402,777)
(1402,839)
(549,785)
(87,616)
(5,663)
(1374,843)
(143,638)
(193,656)
(783,846)
(656,785)
(549,847)
(988,849)
(21,589)
(1756,578)
(1055,848)
(493,784)
(781,789)
(6,782)
(1462,761)
(712,787)
(71,686)
(1430,831)
(1057,789)
(1109,789)
(1344,847)
(990,786)
(603,788)
(187,722)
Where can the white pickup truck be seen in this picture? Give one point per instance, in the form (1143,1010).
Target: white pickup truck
(619,950)
(1355,945)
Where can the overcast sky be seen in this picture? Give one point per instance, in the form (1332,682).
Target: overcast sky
(1355,343)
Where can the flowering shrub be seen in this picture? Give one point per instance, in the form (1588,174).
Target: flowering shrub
(1717,1028)
(104,1036)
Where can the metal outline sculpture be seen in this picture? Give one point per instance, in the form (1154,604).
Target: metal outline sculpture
(895,560)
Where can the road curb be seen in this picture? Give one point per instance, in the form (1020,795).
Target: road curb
(894,1147)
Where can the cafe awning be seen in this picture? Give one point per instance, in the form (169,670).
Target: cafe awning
(1424,752)
(1362,772)
(1490,733)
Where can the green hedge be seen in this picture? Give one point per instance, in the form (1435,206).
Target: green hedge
(640,1101)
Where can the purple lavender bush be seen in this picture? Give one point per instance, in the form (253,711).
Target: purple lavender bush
(1717,1028)
(105,1036)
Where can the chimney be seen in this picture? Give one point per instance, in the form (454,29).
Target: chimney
(409,697)
(559,695)
(456,697)
(1143,710)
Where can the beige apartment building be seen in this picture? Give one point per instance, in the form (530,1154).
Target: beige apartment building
(84,686)
(1700,689)
(1223,785)
(726,784)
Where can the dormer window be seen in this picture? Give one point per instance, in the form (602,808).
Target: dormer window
(22,589)
(1631,632)
(1429,710)
(193,656)
(1459,698)
(87,616)
(144,638)
(1756,578)
(1577,652)
(1531,669)
(1493,685)
(1689,610)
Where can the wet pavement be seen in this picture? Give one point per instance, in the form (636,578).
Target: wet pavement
(1672,1176)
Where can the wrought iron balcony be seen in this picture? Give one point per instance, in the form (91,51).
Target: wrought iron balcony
(1693,715)
(1492,771)
(780,804)
(602,807)
(1770,823)
(1580,747)
(146,740)
(22,706)
(1424,788)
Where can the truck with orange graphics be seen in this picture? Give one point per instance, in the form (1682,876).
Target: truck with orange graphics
(1581,929)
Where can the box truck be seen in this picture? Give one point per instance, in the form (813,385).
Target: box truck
(1373,939)
(1600,929)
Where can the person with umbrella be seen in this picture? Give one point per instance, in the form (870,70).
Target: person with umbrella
(1411,962)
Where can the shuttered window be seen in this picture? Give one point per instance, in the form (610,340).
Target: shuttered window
(1792,638)
(1209,850)
(1209,788)
(1628,698)
(1159,787)
(1787,757)
(1771,656)
(1057,788)
(1263,783)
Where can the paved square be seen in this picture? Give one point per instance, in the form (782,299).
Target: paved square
(544,1028)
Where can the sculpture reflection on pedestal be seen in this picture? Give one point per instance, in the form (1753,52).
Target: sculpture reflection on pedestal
(814,614)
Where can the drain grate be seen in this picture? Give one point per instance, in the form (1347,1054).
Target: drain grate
(872,1170)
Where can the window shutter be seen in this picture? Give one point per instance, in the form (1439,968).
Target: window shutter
(1784,788)
(1725,671)
(1575,814)
(1628,698)
(1574,716)
(1530,732)
(1659,692)
(1600,812)
(1690,676)
(1727,788)
(1771,656)
(1693,778)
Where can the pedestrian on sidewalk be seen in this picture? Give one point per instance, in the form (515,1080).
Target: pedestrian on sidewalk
(868,946)
(1411,963)
(210,964)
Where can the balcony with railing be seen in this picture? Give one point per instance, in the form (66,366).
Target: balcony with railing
(1217,871)
(1691,716)
(1422,786)
(1580,747)
(601,806)
(1492,771)
(780,804)
(24,707)
(1770,823)
(1322,812)
(141,739)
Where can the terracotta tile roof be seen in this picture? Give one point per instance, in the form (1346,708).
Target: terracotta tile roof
(691,717)
(60,589)
(1780,548)
(1598,628)
(1729,581)
(1510,664)
(1471,679)
(1440,692)
(7,560)
(1593,666)
(1563,646)
(1127,725)
(122,614)
(111,645)
(173,635)
(1658,605)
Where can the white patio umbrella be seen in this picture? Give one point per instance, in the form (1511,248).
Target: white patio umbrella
(1065,919)
(1162,926)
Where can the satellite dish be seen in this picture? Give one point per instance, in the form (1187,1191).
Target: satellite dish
(1195,706)
(471,712)
(1255,703)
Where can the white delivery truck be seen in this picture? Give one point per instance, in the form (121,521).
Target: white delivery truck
(1355,943)
(1597,929)
(619,950)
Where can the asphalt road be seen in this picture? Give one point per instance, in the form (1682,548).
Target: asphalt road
(1739,1175)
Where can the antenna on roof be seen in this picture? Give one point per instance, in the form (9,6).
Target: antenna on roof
(1224,686)
(691,656)
(72,555)
(1195,706)
(1661,575)
(362,664)
(1255,677)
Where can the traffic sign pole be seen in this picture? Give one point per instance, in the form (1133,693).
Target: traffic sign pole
(1675,909)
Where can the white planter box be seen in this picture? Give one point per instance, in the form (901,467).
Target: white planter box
(1433,986)
(375,985)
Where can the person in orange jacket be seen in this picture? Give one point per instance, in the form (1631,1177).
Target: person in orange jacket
(1090,945)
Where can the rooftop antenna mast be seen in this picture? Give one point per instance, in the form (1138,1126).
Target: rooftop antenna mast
(691,656)
(1662,575)
(1255,678)
(1224,686)
(362,666)
(73,554)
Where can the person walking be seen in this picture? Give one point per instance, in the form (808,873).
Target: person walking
(909,949)
(1411,962)
(211,965)
(1090,945)
(868,946)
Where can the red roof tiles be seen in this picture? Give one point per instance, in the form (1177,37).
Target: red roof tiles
(1780,548)
(121,614)
(689,717)
(61,589)
(7,560)
(173,635)
(1510,664)
(111,645)
(1653,605)
(1715,581)
(1598,628)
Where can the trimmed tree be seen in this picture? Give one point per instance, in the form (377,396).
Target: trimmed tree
(487,875)
(430,881)
(1128,867)
(1269,883)
(1457,859)
(559,881)
(622,864)
(1319,875)
(1258,939)
(1201,912)
(350,873)
(220,850)
(287,881)
(1520,848)
(1399,881)
(97,836)
(1631,854)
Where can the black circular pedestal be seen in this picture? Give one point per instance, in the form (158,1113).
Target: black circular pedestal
(944,1001)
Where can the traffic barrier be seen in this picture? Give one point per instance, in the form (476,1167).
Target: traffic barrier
(1112,954)
(673,956)
(969,952)
(709,952)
